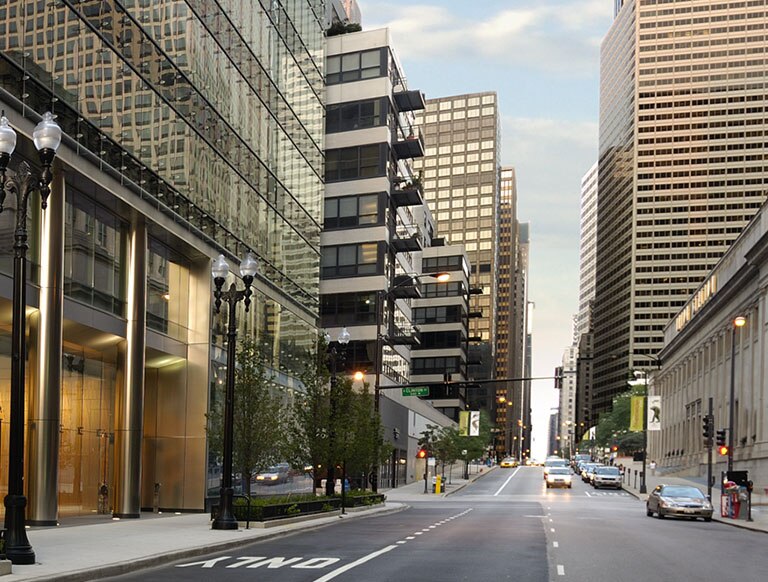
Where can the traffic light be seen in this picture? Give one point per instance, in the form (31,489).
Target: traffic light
(723,450)
(707,429)
(421,454)
(721,441)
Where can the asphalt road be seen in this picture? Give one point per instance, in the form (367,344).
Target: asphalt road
(505,526)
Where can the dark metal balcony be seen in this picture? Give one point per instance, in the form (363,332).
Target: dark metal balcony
(405,287)
(475,314)
(405,339)
(410,147)
(407,195)
(409,244)
(475,338)
(411,100)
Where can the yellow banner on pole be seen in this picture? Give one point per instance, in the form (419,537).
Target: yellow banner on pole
(637,410)
(464,423)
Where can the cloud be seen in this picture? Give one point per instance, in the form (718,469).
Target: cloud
(560,36)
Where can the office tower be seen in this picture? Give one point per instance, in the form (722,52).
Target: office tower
(460,173)
(511,293)
(583,339)
(191,129)
(681,166)
(375,227)
(567,402)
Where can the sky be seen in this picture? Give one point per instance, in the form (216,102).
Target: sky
(542,59)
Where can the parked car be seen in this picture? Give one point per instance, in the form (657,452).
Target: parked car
(678,500)
(585,469)
(280,473)
(591,472)
(559,477)
(606,477)
(508,462)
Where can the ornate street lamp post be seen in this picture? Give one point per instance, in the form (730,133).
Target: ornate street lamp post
(737,323)
(47,138)
(226,519)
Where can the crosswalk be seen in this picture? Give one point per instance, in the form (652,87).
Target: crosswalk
(599,493)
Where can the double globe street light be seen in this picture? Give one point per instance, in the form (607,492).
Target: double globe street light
(220,269)
(47,138)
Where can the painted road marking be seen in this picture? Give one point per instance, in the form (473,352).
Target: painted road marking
(347,567)
(506,482)
(555,545)
(560,570)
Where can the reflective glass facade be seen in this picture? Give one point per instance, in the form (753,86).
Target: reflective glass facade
(212,109)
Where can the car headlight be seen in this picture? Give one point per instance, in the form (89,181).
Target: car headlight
(667,503)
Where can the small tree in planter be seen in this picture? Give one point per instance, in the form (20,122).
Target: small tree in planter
(258,424)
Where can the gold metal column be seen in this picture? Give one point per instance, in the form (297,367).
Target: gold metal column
(45,384)
(129,405)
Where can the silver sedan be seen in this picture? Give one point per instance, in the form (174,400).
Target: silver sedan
(678,500)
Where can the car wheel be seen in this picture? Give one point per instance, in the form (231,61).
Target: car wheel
(660,515)
(707,519)
(648,511)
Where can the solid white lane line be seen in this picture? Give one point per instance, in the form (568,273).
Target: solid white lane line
(507,481)
(363,560)
(560,570)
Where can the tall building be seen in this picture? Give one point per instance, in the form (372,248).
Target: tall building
(567,402)
(681,166)
(376,227)
(191,129)
(583,329)
(511,294)
(460,173)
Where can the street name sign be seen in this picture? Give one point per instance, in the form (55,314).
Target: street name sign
(416,391)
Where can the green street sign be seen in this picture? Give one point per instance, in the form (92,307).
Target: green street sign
(416,391)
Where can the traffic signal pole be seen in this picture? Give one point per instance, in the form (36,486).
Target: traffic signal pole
(711,415)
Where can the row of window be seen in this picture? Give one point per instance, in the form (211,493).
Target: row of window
(356,115)
(438,365)
(351,211)
(367,161)
(357,66)
(350,260)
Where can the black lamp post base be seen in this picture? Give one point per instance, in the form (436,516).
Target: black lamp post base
(225,519)
(17,547)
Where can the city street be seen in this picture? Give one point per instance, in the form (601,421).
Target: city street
(504,526)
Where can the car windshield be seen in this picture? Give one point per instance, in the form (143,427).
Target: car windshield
(559,471)
(681,491)
(555,463)
(607,470)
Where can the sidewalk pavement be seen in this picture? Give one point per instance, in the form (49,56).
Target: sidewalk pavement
(89,548)
(632,482)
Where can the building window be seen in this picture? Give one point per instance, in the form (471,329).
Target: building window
(356,66)
(349,260)
(444,314)
(439,264)
(444,365)
(437,340)
(351,211)
(357,115)
(356,162)
(451,289)
(348,309)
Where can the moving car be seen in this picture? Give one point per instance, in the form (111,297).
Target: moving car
(607,477)
(678,500)
(553,462)
(559,477)
(508,462)
(280,473)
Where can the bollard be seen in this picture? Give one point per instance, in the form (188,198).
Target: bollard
(156,499)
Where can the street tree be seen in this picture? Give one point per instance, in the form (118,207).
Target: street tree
(258,421)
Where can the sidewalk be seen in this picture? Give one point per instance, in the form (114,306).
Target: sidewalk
(632,481)
(89,548)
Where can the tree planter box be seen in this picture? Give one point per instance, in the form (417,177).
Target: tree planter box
(281,510)
(364,500)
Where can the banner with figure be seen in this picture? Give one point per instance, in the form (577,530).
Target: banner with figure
(636,413)
(474,423)
(464,423)
(654,413)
